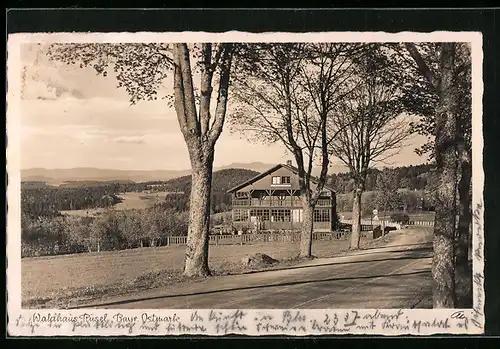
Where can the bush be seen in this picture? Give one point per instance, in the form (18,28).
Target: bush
(400,218)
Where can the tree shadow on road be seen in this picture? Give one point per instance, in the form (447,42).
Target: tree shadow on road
(246,288)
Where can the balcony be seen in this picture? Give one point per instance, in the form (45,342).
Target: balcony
(295,202)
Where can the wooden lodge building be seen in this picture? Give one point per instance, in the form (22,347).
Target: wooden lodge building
(271,201)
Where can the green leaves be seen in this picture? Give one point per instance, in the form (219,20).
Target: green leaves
(140,68)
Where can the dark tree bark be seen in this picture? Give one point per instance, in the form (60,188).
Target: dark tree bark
(443,266)
(445,153)
(465,199)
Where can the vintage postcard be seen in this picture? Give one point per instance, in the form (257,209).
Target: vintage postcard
(239,183)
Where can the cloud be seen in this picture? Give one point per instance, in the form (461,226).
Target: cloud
(49,89)
(130,139)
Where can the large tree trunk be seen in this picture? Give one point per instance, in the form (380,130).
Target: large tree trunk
(200,142)
(307,228)
(443,266)
(356,220)
(196,262)
(465,217)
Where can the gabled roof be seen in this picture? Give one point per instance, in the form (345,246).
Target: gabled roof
(271,170)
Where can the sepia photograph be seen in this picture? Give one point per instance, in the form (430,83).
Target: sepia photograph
(225,175)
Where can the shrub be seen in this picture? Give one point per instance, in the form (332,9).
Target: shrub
(400,218)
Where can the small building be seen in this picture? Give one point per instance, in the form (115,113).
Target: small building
(271,201)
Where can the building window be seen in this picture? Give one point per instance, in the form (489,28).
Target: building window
(240,215)
(261,214)
(280,215)
(281,180)
(297,216)
(322,215)
(324,202)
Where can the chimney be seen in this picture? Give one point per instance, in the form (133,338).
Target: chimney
(289,162)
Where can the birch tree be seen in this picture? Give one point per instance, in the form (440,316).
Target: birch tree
(141,69)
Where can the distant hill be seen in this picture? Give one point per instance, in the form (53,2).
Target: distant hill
(87,183)
(33,184)
(222,181)
(253,166)
(91,174)
(261,167)
(54,176)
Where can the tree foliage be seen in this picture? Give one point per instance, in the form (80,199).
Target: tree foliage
(374,133)
(289,93)
(388,198)
(140,68)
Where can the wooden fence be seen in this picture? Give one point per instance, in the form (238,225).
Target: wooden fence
(421,223)
(243,239)
(368,224)
(228,239)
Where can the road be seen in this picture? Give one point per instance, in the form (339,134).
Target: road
(390,277)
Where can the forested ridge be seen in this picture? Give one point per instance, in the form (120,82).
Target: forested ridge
(406,177)
(39,199)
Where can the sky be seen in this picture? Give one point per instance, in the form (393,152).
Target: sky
(70,117)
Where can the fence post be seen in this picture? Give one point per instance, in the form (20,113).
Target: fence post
(168,240)
(241,239)
(216,240)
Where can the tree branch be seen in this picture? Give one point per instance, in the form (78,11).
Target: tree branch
(422,66)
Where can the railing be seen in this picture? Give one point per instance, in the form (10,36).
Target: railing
(276,203)
(176,240)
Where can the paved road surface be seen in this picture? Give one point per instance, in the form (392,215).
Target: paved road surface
(391,277)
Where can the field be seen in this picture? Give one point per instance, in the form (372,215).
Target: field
(130,200)
(134,200)
(56,281)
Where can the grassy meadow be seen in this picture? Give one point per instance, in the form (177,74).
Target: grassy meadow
(55,281)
